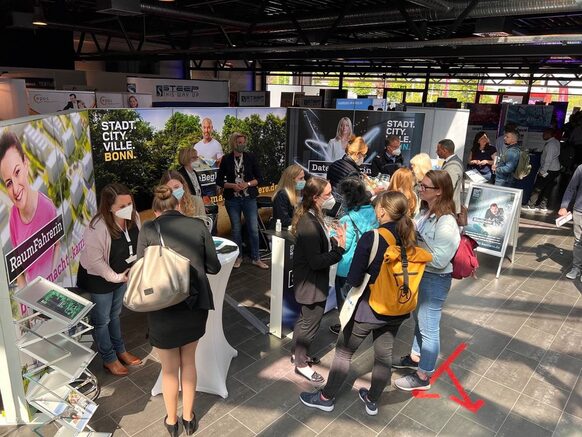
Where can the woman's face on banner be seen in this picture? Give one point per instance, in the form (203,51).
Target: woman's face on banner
(14,172)
(345,128)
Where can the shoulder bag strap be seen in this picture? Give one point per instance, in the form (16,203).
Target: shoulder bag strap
(374,250)
(157,225)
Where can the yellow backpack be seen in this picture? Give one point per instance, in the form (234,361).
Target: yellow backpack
(395,290)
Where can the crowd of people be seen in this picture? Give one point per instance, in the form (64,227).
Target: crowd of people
(418,210)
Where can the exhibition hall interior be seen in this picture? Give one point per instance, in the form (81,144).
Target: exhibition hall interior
(291,218)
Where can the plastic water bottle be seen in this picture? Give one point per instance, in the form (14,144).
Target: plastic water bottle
(278,225)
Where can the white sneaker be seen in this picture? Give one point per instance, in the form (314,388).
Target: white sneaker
(572,274)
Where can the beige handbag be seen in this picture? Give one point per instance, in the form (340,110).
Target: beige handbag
(158,280)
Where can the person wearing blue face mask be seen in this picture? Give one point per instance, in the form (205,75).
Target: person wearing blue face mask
(287,195)
(389,161)
(191,206)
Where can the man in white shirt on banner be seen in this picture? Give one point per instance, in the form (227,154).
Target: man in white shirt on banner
(547,174)
(208,148)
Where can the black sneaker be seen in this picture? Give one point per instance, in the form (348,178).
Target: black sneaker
(314,400)
(336,329)
(406,363)
(371,407)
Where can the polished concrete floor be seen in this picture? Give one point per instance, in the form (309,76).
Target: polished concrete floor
(523,359)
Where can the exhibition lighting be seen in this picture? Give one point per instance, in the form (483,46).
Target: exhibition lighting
(38,18)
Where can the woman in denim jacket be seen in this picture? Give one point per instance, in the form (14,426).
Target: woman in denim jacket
(438,233)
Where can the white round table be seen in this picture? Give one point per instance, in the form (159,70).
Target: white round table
(214,353)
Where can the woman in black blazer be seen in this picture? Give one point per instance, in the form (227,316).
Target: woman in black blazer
(314,253)
(175,331)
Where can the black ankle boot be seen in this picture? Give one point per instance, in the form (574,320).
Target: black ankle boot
(172,429)
(191,426)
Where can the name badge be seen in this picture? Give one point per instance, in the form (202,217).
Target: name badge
(131,259)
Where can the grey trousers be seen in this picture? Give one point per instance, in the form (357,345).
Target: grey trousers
(577,250)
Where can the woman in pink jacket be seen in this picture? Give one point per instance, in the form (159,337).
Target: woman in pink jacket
(110,250)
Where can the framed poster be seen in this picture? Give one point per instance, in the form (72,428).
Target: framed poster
(493,218)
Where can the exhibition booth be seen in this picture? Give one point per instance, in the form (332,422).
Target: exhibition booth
(70,156)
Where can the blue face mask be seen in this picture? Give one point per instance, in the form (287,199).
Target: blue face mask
(178,193)
(299,185)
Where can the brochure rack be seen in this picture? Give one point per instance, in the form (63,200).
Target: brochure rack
(59,383)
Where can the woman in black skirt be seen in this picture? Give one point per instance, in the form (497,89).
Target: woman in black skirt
(175,331)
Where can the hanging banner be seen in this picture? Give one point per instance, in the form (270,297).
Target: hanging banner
(109,100)
(50,101)
(185,93)
(316,138)
(135,147)
(254,98)
(531,120)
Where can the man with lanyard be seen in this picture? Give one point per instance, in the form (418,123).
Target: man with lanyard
(239,175)
(547,174)
(389,161)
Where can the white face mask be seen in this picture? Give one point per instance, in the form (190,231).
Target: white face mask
(328,203)
(359,161)
(397,152)
(125,212)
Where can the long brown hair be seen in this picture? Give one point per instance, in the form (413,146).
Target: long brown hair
(313,187)
(403,181)
(396,206)
(444,204)
(108,195)
(186,204)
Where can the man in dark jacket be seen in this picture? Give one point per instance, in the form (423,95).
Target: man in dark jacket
(239,175)
(389,161)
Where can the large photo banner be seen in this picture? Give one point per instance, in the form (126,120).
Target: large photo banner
(492,211)
(47,198)
(42,101)
(316,137)
(135,146)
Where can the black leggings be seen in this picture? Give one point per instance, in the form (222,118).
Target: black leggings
(348,342)
(305,329)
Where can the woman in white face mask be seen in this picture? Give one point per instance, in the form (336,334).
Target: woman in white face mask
(314,253)
(110,250)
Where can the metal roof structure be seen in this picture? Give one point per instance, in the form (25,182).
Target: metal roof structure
(439,37)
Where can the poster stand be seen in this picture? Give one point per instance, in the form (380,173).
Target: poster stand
(493,219)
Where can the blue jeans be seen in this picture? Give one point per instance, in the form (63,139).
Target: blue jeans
(432,293)
(248,207)
(106,323)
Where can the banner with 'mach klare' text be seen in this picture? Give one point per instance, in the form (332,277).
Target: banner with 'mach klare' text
(134,147)
(317,137)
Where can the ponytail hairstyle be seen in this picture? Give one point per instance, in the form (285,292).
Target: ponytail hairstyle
(313,187)
(396,206)
(164,200)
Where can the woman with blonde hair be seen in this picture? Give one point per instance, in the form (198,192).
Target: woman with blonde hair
(403,181)
(190,205)
(286,197)
(420,165)
(174,331)
(338,144)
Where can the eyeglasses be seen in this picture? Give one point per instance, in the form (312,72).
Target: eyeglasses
(426,187)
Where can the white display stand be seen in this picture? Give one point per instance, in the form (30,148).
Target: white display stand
(61,360)
(493,234)
(214,353)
